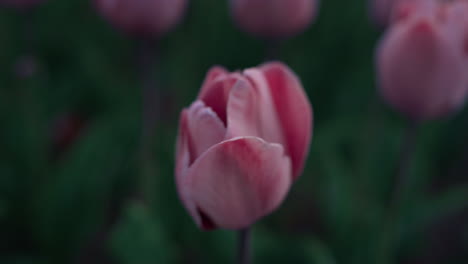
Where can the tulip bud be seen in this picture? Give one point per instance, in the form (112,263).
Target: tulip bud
(273,18)
(422,62)
(20,3)
(241,144)
(143,17)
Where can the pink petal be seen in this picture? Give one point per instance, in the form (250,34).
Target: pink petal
(268,125)
(457,23)
(403,10)
(182,145)
(182,165)
(294,112)
(237,182)
(205,129)
(213,74)
(243,111)
(215,93)
(199,129)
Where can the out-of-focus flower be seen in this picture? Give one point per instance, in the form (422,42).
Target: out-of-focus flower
(143,17)
(383,12)
(20,3)
(273,18)
(422,61)
(241,144)
(380,11)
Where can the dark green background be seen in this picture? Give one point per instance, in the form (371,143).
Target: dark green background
(76,205)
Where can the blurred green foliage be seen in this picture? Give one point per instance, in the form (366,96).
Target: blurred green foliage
(77,204)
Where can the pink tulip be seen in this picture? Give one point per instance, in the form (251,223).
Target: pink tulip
(241,144)
(273,18)
(143,17)
(383,12)
(20,3)
(380,11)
(422,62)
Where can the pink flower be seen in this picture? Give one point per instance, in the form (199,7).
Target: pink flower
(143,17)
(422,61)
(273,18)
(241,144)
(20,3)
(383,12)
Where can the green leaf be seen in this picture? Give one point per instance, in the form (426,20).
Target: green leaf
(319,253)
(73,204)
(138,238)
(430,210)
(19,260)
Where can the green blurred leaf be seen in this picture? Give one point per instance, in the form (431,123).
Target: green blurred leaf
(430,210)
(19,260)
(74,203)
(139,239)
(319,253)
(271,247)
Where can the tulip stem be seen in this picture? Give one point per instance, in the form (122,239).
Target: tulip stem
(404,164)
(401,185)
(244,251)
(272,49)
(147,60)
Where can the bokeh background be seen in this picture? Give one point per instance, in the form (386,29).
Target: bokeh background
(70,163)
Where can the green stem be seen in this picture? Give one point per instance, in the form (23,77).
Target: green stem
(272,49)
(402,183)
(244,249)
(148,62)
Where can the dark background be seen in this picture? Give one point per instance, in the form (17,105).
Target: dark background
(70,163)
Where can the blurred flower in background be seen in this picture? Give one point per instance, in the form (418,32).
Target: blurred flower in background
(423,60)
(380,11)
(273,19)
(241,144)
(143,17)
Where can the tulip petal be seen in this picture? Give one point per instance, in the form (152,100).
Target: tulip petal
(182,165)
(199,129)
(215,93)
(242,109)
(205,129)
(213,74)
(268,122)
(294,112)
(237,182)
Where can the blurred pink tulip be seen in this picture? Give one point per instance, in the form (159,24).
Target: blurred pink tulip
(380,11)
(143,17)
(273,18)
(20,3)
(383,12)
(423,61)
(241,144)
